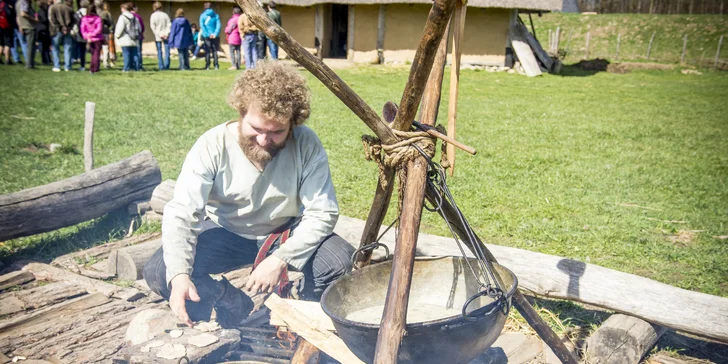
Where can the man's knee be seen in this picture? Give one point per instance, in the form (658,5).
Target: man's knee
(333,259)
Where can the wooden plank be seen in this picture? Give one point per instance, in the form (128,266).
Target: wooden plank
(15,278)
(557,277)
(622,339)
(37,297)
(99,252)
(524,53)
(304,327)
(312,310)
(540,53)
(88,196)
(46,272)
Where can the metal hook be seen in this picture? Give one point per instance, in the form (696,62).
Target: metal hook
(368,247)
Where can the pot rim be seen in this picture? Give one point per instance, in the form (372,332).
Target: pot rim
(457,319)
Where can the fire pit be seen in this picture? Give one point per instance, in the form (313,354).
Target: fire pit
(437,330)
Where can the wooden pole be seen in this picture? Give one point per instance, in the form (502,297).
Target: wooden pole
(88,137)
(350,38)
(381,26)
(557,41)
(649,47)
(393,323)
(717,54)
(318,26)
(586,50)
(619,41)
(685,48)
(458,28)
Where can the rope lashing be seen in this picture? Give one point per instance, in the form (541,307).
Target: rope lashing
(398,154)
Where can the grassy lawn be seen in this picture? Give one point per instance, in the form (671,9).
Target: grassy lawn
(625,171)
(703,32)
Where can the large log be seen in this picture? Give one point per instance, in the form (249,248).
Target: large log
(128,263)
(161,195)
(556,277)
(99,252)
(78,199)
(622,339)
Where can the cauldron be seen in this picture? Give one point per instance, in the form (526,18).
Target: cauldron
(446,283)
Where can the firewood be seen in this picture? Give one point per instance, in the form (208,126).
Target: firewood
(161,195)
(622,339)
(128,263)
(15,278)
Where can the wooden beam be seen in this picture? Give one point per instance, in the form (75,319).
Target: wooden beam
(45,272)
(523,52)
(320,70)
(381,27)
(350,28)
(13,279)
(87,196)
(318,22)
(394,319)
(306,328)
(458,20)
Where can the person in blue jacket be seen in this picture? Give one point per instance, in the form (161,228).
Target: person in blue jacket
(180,37)
(209,30)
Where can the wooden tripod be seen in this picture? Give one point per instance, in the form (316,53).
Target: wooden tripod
(431,50)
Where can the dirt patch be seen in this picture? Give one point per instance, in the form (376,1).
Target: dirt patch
(683,237)
(625,67)
(598,64)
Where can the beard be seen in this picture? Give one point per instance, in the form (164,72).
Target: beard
(256,153)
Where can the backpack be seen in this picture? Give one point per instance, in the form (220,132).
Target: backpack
(4,23)
(133,29)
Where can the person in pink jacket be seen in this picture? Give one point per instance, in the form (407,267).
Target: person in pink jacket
(92,32)
(233,38)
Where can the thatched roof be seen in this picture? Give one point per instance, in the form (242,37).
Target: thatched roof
(547,5)
(544,5)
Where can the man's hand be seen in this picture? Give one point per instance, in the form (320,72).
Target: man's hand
(266,276)
(182,290)
(213,36)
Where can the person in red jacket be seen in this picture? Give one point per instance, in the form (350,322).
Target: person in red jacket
(92,32)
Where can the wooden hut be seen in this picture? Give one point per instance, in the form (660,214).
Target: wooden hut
(374,31)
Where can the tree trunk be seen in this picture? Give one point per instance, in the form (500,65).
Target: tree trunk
(78,199)
(622,339)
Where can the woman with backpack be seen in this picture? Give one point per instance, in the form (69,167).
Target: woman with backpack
(180,37)
(92,32)
(127,33)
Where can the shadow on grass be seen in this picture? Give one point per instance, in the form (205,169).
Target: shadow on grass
(585,68)
(693,347)
(44,247)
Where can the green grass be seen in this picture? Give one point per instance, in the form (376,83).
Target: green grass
(561,162)
(703,32)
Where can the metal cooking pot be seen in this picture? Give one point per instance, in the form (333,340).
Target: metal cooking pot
(446,282)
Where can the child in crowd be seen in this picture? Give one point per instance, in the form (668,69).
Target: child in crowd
(196,40)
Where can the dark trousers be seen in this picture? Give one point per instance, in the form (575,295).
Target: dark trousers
(219,250)
(95,55)
(44,38)
(131,58)
(30,38)
(184,58)
(211,46)
(235,55)
(260,44)
(81,53)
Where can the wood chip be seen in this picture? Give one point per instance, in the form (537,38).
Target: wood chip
(207,326)
(152,344)
(203,340)
(176,333)
(172,351)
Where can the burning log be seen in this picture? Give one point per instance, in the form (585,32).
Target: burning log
(87,196)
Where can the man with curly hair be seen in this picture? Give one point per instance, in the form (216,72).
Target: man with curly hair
(256,190)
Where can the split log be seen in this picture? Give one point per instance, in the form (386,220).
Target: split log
(37,297)
(88,196)
(304,327)
(128,263)
(46,272)
(540,53)
(86,329)
(13,279)
(305,353)
(161,195)
(523,52)
(99,252)
(556,277)
(622,339)
(227,340)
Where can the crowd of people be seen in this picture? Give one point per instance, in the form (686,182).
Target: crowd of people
(25,29)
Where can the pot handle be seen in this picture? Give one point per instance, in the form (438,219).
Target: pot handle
(489,291)
(367,247)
